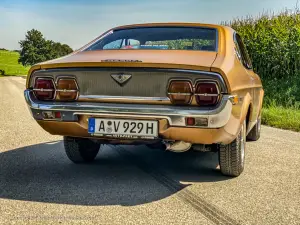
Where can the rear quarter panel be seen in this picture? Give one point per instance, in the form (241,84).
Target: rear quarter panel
(240,81)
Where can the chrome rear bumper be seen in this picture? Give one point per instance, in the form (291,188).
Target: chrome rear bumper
(175,115)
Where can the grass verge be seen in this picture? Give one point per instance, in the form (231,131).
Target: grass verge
(9,63)
(280,117)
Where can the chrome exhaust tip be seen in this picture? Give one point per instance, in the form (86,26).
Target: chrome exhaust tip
(178,146)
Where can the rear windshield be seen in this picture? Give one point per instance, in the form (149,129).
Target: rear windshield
(176,38)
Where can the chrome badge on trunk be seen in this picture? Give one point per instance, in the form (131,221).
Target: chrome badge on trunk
(121,78)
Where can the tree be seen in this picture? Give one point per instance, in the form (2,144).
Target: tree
(35,48)
(59,49)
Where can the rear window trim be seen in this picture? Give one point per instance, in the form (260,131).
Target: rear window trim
(140,27)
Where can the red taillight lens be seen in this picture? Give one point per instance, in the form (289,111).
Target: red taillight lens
(206,93)
(44,88)
(180,92)
(67,89)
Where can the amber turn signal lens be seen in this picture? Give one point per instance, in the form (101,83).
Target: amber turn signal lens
(67,89)
(180,92)
(206,93)
(44,89)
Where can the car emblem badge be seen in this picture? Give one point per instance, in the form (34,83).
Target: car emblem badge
(121,79)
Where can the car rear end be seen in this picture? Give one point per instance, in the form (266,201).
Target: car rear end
(71,98)
(147,84)
(139,84)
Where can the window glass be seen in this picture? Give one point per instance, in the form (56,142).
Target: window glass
(174,38)
(113,45)
(242,51)
(130,43)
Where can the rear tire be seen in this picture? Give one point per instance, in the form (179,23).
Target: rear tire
(254,134)
(81,150)
(232,156)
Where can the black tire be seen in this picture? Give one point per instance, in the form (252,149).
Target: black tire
(232,156)
(254,134)
(81,150)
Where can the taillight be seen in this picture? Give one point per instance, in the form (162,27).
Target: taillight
(67,89)
(180,92)
(44,88)
(207,93)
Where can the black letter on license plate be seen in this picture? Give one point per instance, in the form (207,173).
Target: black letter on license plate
(150,128)
(116,127)
(101,127)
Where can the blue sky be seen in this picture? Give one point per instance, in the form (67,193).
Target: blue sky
(76,22)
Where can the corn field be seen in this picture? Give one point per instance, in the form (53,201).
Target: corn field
(273,42)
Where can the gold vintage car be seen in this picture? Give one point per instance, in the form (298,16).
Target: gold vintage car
(178,85)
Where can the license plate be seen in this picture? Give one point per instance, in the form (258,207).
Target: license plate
(123,128)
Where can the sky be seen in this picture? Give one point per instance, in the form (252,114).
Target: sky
(76,22)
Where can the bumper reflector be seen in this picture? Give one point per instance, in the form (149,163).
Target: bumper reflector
(49,115)
(57,115)
(190,121)
(196,122)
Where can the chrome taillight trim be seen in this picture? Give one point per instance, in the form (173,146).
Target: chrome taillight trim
(199,81)
(65,90)
(194,88)
(45,90)
(180,80)
(207,82)
(208,95)
(179,93)
(55,84)
(58,78)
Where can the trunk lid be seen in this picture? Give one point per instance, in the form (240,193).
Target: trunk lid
(179,59)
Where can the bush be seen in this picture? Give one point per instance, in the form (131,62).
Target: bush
(273,42)
(2,72)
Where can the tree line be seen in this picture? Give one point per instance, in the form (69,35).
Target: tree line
(35,48)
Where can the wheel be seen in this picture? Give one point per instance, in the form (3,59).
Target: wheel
(254,134)
(81,150)
(232,156)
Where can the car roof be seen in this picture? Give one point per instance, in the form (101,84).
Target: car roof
(181,24)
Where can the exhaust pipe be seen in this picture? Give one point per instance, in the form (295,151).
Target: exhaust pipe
(178,146)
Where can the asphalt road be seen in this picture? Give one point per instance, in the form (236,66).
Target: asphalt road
(137,185)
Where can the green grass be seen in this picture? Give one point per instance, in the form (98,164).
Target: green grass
(280,117)
(273,43)
(9,63)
